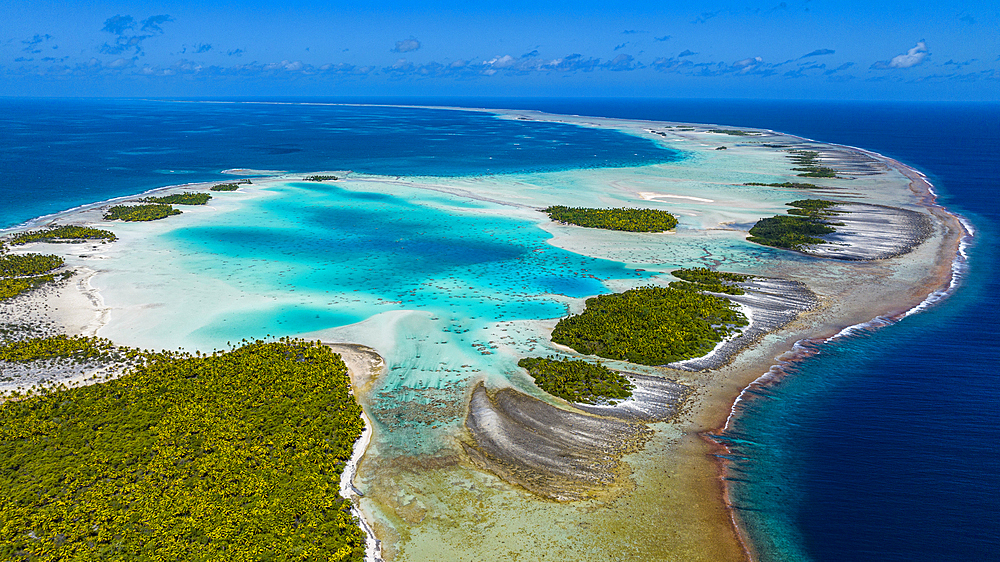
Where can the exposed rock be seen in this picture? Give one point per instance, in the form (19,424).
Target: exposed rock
(552,452)
(771,303)
(872,232)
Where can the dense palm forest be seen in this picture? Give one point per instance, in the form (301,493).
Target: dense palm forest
(650,325)
(577,381)
(630,220)
(186,198)
(66,233)
(235,455)
(136,213)
(704,279)
(21,273)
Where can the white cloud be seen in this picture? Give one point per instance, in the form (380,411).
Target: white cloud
(911,58)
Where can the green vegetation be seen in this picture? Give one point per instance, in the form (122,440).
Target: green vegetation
(650,325)
(24,265)
(630,220)
(787,184)
(734,132)
(231,456)
(816,172)
(76,348)
(320,178)
(136,213)
(21,273)
(810,168)
(788,232)
(704,279)
(229,186)
(577,381)
(806,221)
(10,288)
(186,198)
(62,234)
(814,208)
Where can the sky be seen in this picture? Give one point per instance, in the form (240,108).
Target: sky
(793,49)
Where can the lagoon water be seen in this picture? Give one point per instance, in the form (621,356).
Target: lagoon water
(879,447)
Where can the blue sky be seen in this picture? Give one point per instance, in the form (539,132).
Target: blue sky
(808,49)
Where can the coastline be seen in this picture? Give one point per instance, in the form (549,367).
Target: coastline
(364,365)
(735,373)
(943,283)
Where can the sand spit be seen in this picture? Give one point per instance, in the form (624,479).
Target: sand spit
(772,303)
(252,172)
(872,232)
(364,365)
(554,453)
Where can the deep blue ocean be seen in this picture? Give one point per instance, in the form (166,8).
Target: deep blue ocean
(881,446)
(57,154)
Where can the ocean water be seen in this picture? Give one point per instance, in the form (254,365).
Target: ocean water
(58,154)
(881,446)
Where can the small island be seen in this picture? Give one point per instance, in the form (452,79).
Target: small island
(186,198)
(789,184)
(230,186)
(650,325)
(806,221)
(577,381)
(62,234)
(809,166)
(704,279)
(734,132)
(139,213)
(629,220)
(21,273)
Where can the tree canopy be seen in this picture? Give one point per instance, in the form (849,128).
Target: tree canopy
(630,220)
(235,455)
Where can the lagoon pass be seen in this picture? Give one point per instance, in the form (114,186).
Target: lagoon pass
(442,283)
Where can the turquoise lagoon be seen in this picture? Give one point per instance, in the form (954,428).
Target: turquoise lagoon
(452,278)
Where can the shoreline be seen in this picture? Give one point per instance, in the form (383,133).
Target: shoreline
(947,283)
(793,353)
(364,365)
